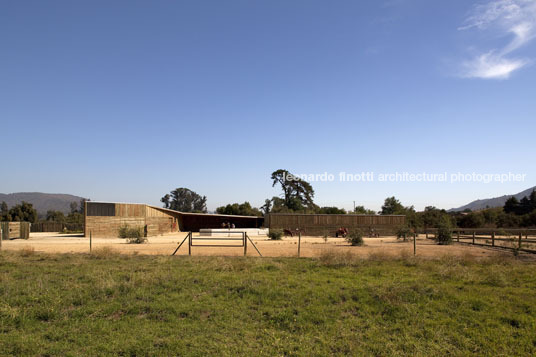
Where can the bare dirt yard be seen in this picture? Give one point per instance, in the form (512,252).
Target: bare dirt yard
(288,247)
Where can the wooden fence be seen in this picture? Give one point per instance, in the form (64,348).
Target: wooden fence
(523,240)
(56,227)
(320,224)
(12,230)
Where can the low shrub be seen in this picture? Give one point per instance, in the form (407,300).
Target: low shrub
(325,236)
(134,235)
(355,238)
(275,234)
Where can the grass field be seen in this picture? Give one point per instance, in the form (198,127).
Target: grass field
(105,303)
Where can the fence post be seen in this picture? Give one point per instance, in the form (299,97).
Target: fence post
(426,231)
(493,239)
(245,244)
(458,235)
(520,236)
(90,241)
(190,244)
(299,243)
(414,243)
(1,236)
(474,237)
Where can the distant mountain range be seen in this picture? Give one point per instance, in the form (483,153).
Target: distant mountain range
(492,202)
(42,202)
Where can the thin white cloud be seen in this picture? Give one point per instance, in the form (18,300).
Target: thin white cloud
(492,66)
(516,18)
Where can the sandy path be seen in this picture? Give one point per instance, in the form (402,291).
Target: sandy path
(310,246)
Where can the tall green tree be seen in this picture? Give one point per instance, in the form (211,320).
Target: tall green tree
(525,206)
(4,212)
(363,210)
(267,206)
(23,212)
(55,216)
(431,216)
(239,209)
(74,207)
(185,200)
(511,205)
(331,210)
(472,220)
(393,206)
(297,193)
(532,199)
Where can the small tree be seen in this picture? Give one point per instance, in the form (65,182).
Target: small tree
(444,231)
(275,234)
(355,238)
(403,232)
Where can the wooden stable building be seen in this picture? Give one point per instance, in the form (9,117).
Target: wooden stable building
(320,224)
(103,219)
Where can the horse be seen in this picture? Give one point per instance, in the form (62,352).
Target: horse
(288,232)
(341,232)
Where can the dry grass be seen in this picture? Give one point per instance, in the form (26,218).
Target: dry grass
(335,257)
(104,252)
(27,251)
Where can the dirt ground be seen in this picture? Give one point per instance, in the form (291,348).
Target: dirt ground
(288,247)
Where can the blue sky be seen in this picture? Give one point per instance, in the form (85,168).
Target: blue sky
(126,100)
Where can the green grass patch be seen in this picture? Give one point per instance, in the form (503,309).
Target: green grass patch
(110,304)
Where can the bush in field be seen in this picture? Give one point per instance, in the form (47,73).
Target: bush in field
(355,238)
(403,232)
(444,232)
(275,234)
(133,234)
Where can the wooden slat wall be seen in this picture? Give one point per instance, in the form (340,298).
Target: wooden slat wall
(100,209)
(318,224)
(154,212)
(195,222)
(130,214)
(55,227)
(12,230)
(129,210)
(101,223)
(160,225)
(100,226)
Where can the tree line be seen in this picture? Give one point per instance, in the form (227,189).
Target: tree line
(298,197)
(25,212)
